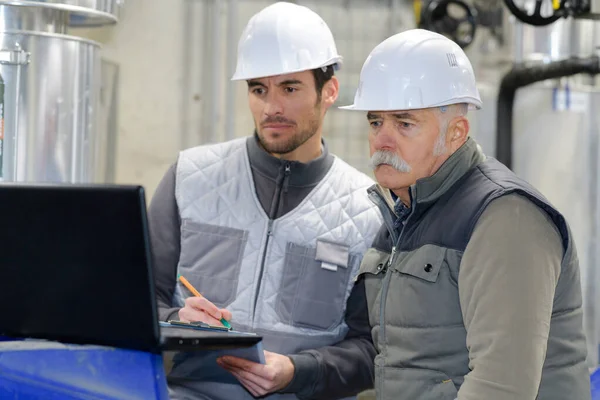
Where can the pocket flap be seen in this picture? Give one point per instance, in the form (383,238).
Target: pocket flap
(332,253)
(216,230)
(424,263)
(373,262)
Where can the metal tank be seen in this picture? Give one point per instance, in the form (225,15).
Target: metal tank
(555,129)
(558,152)
(51,83)
(556,140)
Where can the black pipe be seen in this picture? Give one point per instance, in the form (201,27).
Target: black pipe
(521,76)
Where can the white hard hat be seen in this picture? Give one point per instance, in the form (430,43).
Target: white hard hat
(284,38)
(415,69)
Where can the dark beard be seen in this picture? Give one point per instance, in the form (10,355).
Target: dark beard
(288,146)
(293,143)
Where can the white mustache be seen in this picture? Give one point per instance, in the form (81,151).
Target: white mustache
(392,159)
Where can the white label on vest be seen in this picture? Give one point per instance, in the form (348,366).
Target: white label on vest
(328,266)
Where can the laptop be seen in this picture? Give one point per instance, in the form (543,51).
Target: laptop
(76,267)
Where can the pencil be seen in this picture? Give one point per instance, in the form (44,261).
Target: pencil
(196,293)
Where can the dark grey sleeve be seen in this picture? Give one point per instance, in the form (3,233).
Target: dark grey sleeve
(344,369)
(164,224)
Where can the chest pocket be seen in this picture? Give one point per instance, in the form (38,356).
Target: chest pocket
(424,263)
(210,259)
(314,285)
(422,291)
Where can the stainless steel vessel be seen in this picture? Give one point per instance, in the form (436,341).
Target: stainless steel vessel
(52,86)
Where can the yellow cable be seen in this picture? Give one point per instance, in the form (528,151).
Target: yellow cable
(417,9)
(556,4)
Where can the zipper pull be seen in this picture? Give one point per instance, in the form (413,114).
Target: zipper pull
(389,263)
(286,178)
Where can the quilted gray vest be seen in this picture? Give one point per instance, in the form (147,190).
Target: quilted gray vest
(286,279)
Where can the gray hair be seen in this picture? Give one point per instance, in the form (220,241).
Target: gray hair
(445,115)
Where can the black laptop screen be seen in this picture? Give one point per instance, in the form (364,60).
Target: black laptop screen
(74,265)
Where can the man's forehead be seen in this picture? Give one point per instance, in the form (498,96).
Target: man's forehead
(301,77)
(409,114)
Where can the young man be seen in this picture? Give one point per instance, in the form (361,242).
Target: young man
(272,228)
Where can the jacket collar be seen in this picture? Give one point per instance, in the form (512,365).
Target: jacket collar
(301,174)
(427,190)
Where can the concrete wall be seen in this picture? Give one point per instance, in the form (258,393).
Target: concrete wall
(174,88)
(145,45)
(164,107)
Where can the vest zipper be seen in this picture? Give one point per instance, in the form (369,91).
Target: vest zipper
(385,287)
(386,284)
(286,177)
(279,191)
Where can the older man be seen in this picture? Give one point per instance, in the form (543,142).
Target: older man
(473,282)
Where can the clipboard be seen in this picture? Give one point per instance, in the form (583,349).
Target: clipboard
(196,325)
(254,353)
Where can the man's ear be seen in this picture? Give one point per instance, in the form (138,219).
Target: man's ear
(458,132)
(330,92)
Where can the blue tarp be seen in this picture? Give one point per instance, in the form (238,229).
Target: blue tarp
(47,370)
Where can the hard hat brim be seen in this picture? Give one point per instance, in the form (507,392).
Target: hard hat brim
(337,63)
(474,104)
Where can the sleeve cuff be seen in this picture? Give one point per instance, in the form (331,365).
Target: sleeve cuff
(306,371)
(167,314)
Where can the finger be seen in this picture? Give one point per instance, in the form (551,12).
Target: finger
(226,314)
(188,314)
(248,384)
(200,303)
(259,381)
(270,357)
(247,365)
(252,388)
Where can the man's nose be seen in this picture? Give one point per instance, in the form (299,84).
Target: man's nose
(384,138)
(273,105)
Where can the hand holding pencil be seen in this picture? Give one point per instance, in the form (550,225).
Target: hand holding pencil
(198,308)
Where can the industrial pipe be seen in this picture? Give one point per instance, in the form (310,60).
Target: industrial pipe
(521,76)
